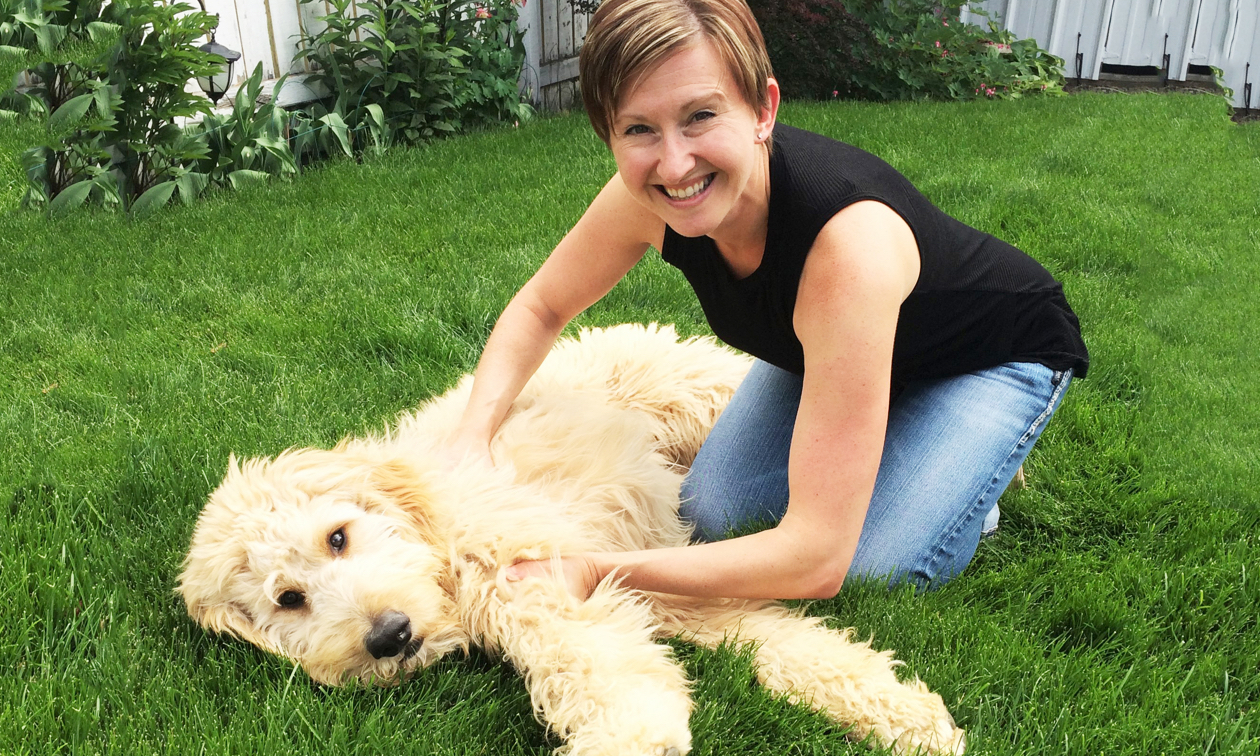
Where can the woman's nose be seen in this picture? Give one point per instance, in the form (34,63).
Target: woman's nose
(676,160)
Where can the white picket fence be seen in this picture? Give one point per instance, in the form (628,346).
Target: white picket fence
(1087,34)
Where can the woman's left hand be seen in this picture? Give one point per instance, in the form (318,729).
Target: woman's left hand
(579,573)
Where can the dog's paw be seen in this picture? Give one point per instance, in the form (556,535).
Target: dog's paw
(941,737)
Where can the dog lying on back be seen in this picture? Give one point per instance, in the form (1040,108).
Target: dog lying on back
(375,559)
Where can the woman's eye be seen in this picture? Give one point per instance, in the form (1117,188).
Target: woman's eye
(337,540)
(703,115)
(637,129)
(292,599)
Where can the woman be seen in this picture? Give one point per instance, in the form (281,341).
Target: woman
(906,363)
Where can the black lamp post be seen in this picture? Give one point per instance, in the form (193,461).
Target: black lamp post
(217,83)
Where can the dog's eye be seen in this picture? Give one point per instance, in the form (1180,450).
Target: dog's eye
(337,540)
(292,599)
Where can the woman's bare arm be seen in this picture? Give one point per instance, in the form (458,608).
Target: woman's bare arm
(611,236)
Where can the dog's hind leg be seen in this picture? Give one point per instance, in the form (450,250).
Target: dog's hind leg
(801,658)
(594,673)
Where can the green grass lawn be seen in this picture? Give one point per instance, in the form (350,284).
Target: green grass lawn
(1114,613)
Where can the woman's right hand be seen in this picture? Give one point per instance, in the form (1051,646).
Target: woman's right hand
(463,449)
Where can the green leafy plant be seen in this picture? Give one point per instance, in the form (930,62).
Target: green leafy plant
(248,144)
(112,122)
(486,89)
(52,40)
(927,52)
(898,50)
(28,24)
(399,70)
(815,47)
(408,71)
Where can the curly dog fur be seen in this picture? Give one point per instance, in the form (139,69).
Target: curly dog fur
(374,559)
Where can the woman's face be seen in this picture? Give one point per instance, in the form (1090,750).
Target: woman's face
(687,144)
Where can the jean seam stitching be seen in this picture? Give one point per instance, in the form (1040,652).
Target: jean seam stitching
(939,552)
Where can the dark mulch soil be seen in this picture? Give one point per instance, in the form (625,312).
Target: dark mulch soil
(1133,84)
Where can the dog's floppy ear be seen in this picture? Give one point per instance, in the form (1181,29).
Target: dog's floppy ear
(217,565)
(403,496)
(231,618)
(202,585)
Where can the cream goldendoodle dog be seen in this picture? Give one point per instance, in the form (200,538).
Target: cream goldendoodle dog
(375,559)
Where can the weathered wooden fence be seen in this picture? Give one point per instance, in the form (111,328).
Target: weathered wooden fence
(1180,38)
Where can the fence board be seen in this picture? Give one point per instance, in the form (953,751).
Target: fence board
(565,33)
(551,31)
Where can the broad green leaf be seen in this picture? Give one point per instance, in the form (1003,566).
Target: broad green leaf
(70,112)
(191,185)
(156,197)
(99,30)
(340,130)
(49,36)
(245,177)
(70,198)
(105,185)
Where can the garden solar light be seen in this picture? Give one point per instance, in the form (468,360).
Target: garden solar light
(216,84)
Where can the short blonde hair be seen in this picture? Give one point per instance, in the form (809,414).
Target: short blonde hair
(628,38)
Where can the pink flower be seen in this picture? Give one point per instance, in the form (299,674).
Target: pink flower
(1002,48)
(990,92)
(835,93)
(938,43)
(482,12)
(945,22)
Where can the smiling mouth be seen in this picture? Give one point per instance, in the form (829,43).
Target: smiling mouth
(687,192)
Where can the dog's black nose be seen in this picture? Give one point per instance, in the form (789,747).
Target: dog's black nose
(390,633)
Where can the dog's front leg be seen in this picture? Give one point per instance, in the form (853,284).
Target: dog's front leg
(594,673)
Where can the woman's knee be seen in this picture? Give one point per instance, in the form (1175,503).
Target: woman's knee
(923,566)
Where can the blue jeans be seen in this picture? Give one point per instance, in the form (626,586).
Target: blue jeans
(952,447)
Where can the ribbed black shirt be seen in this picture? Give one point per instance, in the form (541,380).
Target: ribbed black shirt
(979,302)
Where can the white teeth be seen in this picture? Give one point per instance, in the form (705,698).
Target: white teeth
(689,191)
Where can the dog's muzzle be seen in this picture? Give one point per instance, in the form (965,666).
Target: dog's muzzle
(390,635)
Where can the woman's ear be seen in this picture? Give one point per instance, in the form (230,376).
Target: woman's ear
(766,118)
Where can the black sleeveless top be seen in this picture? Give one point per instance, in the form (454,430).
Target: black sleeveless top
(979,302)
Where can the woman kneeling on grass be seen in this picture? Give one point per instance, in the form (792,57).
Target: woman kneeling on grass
(907,363)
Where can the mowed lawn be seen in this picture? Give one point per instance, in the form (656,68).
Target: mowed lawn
(1114,612)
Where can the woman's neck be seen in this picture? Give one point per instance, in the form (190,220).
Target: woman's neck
(741,239)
